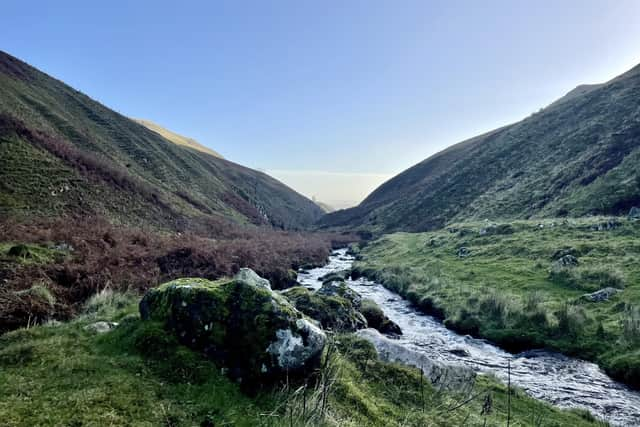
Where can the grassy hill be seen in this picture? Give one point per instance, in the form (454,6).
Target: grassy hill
(65,154)
(579,156)
(177,138)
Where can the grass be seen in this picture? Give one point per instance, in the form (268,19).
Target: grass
(511,289)
(137,374)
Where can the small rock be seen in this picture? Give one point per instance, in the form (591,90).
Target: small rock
(463,252)
(100,327)
(566,261)
(460,352)
(65,247)
(601,295)
(634,213)
(563,252)
(335,276)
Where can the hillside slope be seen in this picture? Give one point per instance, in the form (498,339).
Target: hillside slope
(63,153)
(177,138)
(578,156)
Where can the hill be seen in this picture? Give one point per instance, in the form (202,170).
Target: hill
(177,138)
(64,154)
(579,156)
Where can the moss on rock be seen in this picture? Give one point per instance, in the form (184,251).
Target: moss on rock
(332,311)
(249,330)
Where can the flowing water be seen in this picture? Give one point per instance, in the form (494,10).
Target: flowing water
(560,380)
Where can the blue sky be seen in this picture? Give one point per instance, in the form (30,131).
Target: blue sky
(304,89)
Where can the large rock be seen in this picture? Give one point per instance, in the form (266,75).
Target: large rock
(449,376)
(333,311)
(252,332)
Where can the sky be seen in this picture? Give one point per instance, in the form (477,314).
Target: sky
(332,97)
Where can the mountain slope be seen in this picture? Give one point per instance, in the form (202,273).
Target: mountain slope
(63,153)
(578,156)
(177,138)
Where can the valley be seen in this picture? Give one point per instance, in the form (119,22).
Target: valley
(146,279)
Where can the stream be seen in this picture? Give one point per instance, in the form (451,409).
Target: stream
(562,381)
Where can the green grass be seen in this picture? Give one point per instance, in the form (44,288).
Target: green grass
(137,374)
(508,290)
(30,254)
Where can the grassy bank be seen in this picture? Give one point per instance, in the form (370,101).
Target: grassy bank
(521,284)
(62,374)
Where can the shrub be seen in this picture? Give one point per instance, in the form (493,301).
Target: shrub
(631,324)
(495,306)
(571,321)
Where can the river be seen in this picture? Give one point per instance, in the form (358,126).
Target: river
(562,381)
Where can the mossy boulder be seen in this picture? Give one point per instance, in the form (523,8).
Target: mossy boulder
(283,279)
(340,289)
(376,318)
(334,312)
(256,335)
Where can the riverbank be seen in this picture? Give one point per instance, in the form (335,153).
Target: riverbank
(137,374)
(522,285)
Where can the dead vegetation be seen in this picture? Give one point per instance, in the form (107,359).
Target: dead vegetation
(91,255)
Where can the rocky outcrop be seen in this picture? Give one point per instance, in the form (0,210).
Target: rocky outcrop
(255,334)
(448,376)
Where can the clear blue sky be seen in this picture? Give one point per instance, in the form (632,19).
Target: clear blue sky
(367,87)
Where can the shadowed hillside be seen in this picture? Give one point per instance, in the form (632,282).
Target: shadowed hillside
(579,156)
(66,154)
